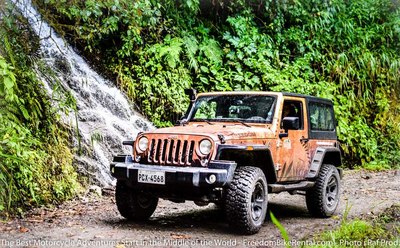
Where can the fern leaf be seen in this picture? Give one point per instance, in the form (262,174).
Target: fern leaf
(212,51)
(191,47)
(171,52)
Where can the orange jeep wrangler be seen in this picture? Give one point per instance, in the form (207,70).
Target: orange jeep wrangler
(232,149)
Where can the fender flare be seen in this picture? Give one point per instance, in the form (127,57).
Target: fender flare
(263,151)
(323,155)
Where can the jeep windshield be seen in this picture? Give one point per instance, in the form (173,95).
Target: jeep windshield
(234,108)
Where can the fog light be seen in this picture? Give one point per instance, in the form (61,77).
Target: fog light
(112,170)
(212,179)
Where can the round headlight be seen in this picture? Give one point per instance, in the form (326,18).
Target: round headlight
(143,144)
(205,146)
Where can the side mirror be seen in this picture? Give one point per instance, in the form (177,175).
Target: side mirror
(291,123)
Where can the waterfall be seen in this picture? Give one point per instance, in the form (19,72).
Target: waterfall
(104,118)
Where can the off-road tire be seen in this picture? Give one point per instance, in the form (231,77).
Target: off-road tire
(323,198)
(134,204)
(246,200)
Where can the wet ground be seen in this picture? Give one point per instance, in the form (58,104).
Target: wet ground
(94,221)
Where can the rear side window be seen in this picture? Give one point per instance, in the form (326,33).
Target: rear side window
(322,121)
(321,117)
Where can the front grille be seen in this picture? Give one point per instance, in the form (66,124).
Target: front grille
(171,152)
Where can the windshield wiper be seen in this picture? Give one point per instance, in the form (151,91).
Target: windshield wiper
(242,122)
(205,120)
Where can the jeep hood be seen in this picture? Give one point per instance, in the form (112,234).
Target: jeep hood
(231,131)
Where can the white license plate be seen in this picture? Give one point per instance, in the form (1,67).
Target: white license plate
(154,177)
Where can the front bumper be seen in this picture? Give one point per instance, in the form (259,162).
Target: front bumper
(124,168)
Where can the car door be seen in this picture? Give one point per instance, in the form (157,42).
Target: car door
(293,149)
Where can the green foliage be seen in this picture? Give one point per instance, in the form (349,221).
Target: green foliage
(351,234)
(347,51)
(357,230)
(35,158)
(382,231)
(281,228)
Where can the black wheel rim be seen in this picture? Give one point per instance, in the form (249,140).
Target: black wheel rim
(257,201)
(332,191)
(144,200)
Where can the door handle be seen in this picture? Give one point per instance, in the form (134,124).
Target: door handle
(304,140)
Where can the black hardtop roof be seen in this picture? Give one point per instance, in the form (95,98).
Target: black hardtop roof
(308,97)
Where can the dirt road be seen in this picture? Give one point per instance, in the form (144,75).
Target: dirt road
(95,221)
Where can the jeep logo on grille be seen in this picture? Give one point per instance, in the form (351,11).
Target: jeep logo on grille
(174,137)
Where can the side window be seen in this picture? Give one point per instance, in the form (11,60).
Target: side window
(293,109)
(321,117)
